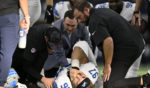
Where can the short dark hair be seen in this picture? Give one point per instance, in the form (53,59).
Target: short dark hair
(53,34)
(69,14)
(81,4)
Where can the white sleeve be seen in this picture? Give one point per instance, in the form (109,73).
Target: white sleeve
(57,9)
(60,9)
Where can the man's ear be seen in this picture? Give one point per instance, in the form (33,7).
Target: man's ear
(64,21)
(86,11)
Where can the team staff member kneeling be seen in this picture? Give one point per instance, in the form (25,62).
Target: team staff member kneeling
(43,40)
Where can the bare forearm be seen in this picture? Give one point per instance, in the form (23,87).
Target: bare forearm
(138,5)
(24,7)
(108,48)
(49,2)
(79,54)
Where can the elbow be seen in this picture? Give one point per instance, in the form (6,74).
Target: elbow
(108,40)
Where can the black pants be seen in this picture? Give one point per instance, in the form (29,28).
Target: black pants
(117,78)
(119,68)
(17,63)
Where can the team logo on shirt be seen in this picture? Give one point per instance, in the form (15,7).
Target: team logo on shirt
(129,5)
(93,33)
(33,50)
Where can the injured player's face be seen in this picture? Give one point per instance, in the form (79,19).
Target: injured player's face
(81,81)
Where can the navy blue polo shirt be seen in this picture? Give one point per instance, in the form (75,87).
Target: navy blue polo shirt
(9,6)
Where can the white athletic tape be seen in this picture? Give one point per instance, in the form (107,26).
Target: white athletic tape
(75,63)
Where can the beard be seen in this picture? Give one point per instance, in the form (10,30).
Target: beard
(86,22)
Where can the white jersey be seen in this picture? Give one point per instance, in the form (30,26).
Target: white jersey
(62,79)
(127,10)
(89,69)
(61,7)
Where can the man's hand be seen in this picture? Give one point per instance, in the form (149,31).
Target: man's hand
(106,72)
(74,73)
(136,17)
(27,22)
(48,82)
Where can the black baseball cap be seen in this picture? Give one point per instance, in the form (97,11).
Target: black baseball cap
(54,38)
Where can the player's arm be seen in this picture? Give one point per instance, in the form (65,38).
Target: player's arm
(78,57)
(108,48)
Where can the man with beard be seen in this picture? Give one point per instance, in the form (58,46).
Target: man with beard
(61,7)
(126,10)
(72,32)
(109,32)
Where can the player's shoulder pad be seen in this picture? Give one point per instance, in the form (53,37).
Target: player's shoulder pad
(103,5)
